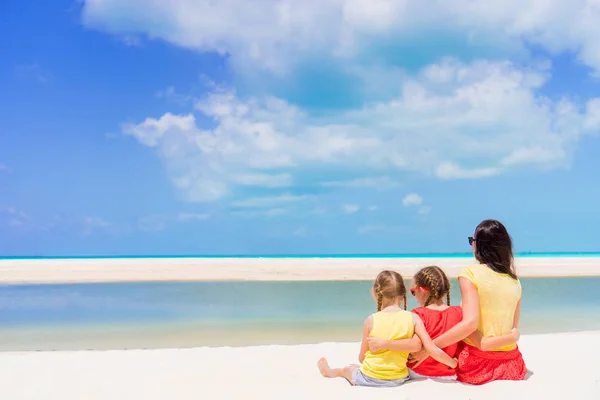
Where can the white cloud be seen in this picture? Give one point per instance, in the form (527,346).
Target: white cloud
(158,222)
(451,120)
(254,213)
(372,229)
(170,94)
(270,201)
(412,199)
(191,217)
(372,208)
(592,121)
(153,223)
(14,217)
(276,33)
(268,32)
(96,222)
(350,208)
(264,180)
(526,155)
(151,131)
(91,224)
(84,225)
(450,170)
(380,182)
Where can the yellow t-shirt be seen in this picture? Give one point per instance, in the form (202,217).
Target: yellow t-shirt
(498,298)
(387,364)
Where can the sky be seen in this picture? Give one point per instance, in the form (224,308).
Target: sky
(195,127)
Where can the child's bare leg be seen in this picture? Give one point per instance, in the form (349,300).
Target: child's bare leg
(329,372)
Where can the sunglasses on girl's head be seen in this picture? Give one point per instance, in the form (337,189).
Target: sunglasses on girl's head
(414,290)
(471,240)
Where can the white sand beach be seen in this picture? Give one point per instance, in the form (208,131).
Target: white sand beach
(563,366)
(263,269)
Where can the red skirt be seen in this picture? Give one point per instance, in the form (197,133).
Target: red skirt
(477,367)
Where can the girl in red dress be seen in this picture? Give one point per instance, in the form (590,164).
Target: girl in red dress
(431,288)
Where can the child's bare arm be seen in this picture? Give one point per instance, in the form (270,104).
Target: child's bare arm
(364,345)
(492,343)
(435,352)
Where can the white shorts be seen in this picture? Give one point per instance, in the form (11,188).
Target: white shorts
(360,379)
(414,375)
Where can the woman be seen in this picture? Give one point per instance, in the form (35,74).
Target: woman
(491,302)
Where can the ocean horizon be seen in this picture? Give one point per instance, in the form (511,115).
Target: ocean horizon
(285,256)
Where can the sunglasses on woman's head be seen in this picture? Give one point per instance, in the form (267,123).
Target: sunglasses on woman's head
(471,240)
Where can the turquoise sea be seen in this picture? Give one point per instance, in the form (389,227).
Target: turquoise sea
(284,256)
(175,314)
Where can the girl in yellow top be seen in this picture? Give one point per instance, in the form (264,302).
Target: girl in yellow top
(387,368)
(491,302)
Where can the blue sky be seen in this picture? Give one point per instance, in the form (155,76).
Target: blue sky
(354,126)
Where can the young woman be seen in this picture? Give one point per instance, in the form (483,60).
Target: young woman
(491,304)
(431,288)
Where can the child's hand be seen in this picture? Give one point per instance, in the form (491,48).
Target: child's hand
(418,357)
(375,344)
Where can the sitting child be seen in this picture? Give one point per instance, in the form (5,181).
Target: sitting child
(387,368)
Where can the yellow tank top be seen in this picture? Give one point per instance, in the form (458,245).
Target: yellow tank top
(386,364)
(498,298)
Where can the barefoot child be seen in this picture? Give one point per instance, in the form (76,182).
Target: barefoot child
(387,368)
(430,288)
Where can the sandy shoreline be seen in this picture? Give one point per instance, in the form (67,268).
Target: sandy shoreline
(280,372)
(266,269)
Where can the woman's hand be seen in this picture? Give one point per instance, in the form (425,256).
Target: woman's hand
(375,344)
(418,357)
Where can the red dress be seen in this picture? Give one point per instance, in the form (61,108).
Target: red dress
(477,367)
(437,322)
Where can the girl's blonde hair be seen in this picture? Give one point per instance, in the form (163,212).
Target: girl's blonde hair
(436,282)
(389,285)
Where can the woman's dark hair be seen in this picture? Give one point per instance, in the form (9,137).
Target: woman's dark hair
(493,247)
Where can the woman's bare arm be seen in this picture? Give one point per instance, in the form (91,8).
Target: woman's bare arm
(434,351)
(470,321)
(468,325)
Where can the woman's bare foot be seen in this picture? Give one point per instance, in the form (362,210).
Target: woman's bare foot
(324,368)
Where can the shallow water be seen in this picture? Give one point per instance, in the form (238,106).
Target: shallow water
(169,314)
